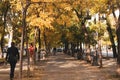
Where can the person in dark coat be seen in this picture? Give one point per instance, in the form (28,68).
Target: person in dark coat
(54,51)
(12,57)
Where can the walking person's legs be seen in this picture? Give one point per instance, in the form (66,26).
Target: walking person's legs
(12,69)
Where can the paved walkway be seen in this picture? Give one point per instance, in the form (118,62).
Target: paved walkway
(64,67)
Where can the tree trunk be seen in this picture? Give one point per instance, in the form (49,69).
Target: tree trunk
(66,47)
(39,42)
(2,38)
(88,54)
(49,47)
(28,55)
(73,49)
(24,10)
(35,52)
(118,35)
(112,40)
(4,26)
(118,40)
(81,50)
(80,54)
(118,46)
(45,39)
(99,45)
(100,53)
(22,42)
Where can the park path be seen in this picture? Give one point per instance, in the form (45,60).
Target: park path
(64,67)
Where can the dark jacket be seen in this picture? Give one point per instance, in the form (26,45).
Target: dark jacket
(12,54)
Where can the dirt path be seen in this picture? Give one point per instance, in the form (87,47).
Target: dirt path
(64,67)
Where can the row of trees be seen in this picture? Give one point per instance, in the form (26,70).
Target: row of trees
(53,23)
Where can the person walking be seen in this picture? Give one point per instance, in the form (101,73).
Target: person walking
(31,52)
(12,57)
(43,53)
(32,56)
(54,51)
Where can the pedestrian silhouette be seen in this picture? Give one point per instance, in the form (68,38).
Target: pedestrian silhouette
(54,51)
(12,57)
(31,52)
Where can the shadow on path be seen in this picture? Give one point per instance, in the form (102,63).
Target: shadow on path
(64,67)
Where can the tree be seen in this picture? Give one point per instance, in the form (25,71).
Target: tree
(118,35)
(63,23)
(4,7)
(111,36)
